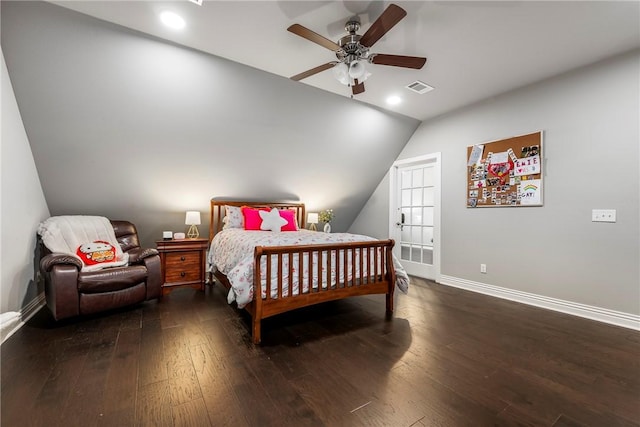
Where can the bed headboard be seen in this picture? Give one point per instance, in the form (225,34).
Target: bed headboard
(217,211)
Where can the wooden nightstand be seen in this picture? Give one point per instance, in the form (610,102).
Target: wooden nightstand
(183,263)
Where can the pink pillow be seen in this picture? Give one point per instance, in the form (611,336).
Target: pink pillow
(290,216)
(252,220)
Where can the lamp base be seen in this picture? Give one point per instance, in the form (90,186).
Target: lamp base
(193,232)
(312,227)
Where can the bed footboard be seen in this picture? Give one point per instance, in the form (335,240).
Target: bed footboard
(291,277)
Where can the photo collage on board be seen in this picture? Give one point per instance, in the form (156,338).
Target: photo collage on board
(504,178)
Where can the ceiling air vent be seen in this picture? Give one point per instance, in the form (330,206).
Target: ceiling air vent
(419,87)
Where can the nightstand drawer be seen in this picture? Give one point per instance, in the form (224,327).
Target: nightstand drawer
(183,267)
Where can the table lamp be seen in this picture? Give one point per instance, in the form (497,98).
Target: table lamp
(312,219)
(193,220)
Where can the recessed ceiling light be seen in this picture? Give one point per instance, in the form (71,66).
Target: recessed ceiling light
(394,100)
(171,19)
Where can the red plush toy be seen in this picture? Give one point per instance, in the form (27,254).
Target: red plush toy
(96,252)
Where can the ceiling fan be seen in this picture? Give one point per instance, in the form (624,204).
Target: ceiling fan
(352,50)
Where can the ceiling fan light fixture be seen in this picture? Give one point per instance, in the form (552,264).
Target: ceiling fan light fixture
(341,73)
(357,69)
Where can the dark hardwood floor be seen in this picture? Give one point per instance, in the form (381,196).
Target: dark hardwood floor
(447,358)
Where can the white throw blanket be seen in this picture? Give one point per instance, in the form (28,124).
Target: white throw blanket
(66,233)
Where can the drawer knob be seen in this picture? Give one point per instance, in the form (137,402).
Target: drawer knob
(181,258)
(182,274)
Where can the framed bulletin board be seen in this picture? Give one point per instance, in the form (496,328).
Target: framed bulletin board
(507,172)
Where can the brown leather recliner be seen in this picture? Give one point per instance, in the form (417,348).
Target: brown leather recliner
(70,292)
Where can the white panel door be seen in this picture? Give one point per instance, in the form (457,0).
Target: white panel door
(415,214)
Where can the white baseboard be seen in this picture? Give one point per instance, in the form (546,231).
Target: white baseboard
(618,318)
(26,313)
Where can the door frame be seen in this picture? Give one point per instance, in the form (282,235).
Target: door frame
(394,197)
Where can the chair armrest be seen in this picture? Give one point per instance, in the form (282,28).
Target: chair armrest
(61,284)
(49,261)
(136,255)
(154,275)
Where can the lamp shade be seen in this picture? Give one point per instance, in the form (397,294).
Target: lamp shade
(192,218)
(312,218)
(341,73)
(357,69)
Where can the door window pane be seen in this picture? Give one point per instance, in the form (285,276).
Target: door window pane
(427,236)
(427,217)
(429,177)
(406,197)
(416,234)
(427,256)
(416,199)
(406,234)
(429,196)
(405,252)
(416,254)
(405,179)
(416,216)
(417,178)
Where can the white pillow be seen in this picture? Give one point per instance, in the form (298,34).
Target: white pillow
(232,217)
(271,220)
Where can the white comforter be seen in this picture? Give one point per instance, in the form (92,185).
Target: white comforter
(231,253)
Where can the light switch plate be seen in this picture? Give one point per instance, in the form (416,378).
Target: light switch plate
(603,215)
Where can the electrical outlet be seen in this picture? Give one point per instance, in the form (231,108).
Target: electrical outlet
(483,268)
(603,215)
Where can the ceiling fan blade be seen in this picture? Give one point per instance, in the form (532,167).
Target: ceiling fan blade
(390,17)
(399,61)
(313,71)
(358,88)
(306,33)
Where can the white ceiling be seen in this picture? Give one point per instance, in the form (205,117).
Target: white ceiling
(474,49)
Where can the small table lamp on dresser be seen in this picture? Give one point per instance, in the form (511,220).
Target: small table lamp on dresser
(192,219)
(312,219)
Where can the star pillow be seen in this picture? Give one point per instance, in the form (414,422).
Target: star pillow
(271,220)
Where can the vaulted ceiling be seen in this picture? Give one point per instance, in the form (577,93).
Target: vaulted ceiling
(130,120)
(475,49)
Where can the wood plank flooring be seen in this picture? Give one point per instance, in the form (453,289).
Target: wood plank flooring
(447,358)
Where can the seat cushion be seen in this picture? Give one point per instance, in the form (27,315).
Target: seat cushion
(111,279)
(95,303)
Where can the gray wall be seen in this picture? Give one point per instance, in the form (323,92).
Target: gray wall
(590,119)
(131,127)
(22,208)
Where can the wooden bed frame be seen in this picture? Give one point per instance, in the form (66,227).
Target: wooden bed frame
(380,282)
